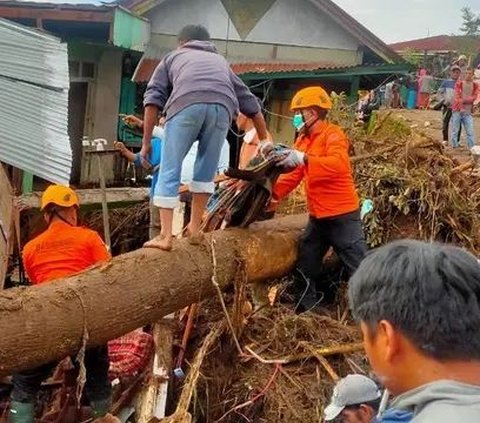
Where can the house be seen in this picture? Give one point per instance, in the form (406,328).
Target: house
(104,44)
(438,52)
(276,46)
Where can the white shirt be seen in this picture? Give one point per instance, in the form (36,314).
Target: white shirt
(189,162)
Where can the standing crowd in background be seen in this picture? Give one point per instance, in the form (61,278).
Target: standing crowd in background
(418,90)
(457,96)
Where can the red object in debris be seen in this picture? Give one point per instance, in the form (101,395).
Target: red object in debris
(129,354)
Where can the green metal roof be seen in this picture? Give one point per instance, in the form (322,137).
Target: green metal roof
(333,73)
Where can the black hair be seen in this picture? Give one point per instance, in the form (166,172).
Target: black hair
(430,292)
(54,210)
(375,404)
(193,32)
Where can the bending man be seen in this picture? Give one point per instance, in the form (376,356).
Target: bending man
(64,249)
(196,89)
(320,158)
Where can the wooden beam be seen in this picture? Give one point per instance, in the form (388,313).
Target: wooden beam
(94,196)
(354,86)
(6,222)
(55,14)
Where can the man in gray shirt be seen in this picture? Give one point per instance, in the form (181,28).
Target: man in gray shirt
(195,88)
(418,305)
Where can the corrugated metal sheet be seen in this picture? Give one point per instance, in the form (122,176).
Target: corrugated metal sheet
(440,43)
(34,102)
(147,66)
(280,67)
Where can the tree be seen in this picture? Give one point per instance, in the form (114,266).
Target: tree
(44,323)
(471,22)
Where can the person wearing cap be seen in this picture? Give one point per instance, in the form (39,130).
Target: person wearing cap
(62,250)
(462,63)
(196,89)
(355,399)
(320,158)
(418,307)
(445,95)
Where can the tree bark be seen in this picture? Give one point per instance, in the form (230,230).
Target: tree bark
(47,322)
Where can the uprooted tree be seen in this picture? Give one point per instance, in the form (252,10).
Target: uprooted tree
(47,322)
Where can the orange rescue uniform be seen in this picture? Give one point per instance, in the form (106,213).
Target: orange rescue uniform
(328,176)
(61,251)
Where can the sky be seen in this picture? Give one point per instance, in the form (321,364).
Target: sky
(397,20)
(393,20)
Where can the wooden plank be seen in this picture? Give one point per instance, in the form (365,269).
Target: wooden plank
(94,196)
(103,191)
(6,220)
(57,14)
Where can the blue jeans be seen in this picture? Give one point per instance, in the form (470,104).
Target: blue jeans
(207,123)
(459,118)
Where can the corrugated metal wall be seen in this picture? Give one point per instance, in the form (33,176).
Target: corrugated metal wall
(34,102)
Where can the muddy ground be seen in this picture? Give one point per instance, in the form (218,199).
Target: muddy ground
(430,121)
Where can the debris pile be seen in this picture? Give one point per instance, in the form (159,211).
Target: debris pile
(128,226)
(271,365)
(286,371)
(419,190)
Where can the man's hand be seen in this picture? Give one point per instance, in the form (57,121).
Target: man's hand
(120,146)
(291,160)
(266,148)
(144,153)
(133,121)
(260,126)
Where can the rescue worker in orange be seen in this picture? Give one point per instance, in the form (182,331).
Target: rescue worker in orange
(320,159)
(62,250)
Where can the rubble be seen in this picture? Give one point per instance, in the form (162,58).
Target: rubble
(289,363)
(419,190)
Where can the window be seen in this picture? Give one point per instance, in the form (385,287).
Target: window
(88,70)
(74,69)
(81,71)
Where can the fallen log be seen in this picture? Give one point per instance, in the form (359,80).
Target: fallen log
(44,323)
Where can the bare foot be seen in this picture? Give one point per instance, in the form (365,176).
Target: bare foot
(161,242)
(194,238)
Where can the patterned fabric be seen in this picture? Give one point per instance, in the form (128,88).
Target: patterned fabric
(129,354)
(465,96)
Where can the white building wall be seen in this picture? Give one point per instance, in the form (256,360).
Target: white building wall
(299,22)
(287,22)
(171,16)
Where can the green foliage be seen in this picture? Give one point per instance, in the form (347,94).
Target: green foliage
(412,57)
(471,22)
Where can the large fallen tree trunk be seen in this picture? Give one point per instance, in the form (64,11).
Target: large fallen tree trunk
(47,322)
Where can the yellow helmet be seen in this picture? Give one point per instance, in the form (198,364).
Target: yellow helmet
(311,97)
(59,195)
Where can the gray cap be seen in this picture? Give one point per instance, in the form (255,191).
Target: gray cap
(351,390)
